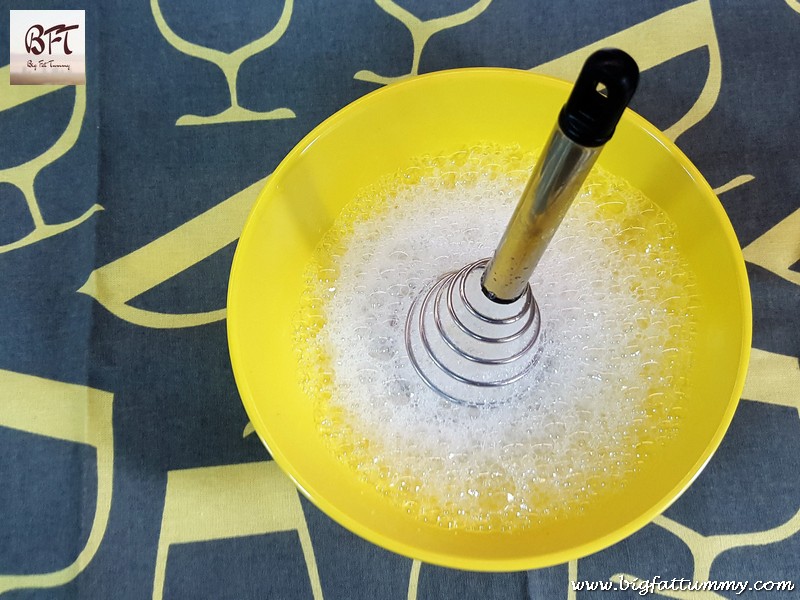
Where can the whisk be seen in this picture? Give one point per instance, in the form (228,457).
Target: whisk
(477,330)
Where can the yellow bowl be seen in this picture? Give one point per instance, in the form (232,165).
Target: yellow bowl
(439,114)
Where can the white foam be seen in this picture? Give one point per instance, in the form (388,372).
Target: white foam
(614,313)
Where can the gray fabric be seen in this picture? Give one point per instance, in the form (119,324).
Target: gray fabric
(175,404)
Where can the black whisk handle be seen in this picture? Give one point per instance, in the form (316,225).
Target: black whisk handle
(603,90)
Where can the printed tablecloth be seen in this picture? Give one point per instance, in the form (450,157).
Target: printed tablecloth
(127,466)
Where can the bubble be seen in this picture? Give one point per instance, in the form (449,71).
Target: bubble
(617,301)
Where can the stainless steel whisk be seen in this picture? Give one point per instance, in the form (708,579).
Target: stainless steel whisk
(475,330)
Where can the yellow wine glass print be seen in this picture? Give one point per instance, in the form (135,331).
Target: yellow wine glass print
(229,63)
(421,31)
(72,413)
(23,176)
(230,501)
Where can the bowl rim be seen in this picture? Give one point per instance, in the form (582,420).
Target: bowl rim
(445,559)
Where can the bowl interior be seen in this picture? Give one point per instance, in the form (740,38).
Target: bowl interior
(439,114)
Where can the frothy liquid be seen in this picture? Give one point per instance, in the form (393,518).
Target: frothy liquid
(616,305)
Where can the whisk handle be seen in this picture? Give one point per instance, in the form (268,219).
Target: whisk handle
(587,121)
(603,90)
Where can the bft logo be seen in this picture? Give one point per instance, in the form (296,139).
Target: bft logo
(47,47)
(34,42)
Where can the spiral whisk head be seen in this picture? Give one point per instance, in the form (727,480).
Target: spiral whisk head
(466,347)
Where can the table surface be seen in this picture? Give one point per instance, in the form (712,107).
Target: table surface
(127,464)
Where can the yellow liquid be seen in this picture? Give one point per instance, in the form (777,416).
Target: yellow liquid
(616,299)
